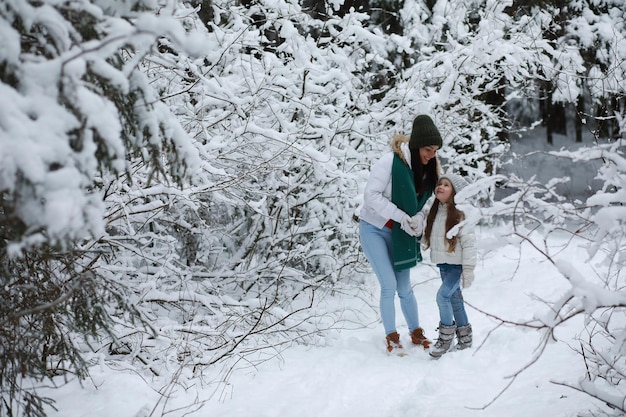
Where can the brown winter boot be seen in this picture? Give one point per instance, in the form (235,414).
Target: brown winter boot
(393,341)
(418,338)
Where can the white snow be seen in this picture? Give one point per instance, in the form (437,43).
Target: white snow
(508,372)
(352,375)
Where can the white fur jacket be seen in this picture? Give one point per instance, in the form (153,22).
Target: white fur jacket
(377,207)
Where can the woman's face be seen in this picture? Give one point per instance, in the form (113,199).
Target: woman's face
(444,190)
(427,153)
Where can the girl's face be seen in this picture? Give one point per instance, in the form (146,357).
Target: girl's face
(427,153)
(444,191)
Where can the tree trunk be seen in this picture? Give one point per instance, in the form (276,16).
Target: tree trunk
(578,123)
(547,116)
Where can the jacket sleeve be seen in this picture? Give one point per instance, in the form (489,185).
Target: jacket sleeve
(428,205)
(468,244)
(379,180)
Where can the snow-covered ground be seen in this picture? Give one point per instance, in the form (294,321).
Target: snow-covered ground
(353,376)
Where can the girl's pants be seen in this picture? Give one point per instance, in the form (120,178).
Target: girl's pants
(449,296)
(377,247)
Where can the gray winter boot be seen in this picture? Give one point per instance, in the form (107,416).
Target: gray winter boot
(444,341)
(464,337)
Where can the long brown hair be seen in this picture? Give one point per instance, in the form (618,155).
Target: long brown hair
(455,216)
(424,176)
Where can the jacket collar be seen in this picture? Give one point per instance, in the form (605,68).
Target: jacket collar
(400,146)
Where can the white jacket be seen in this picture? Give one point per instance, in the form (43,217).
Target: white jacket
(465,250)
(377,206)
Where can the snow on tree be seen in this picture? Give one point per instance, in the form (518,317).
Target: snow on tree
(74,109)
(178,184)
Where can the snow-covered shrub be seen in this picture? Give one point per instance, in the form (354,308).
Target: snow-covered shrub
(536,210)
(72,110)
(230,265)
(601,300)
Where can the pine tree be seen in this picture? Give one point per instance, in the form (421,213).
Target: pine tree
(75,110)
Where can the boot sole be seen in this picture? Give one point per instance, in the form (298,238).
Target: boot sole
(424,343)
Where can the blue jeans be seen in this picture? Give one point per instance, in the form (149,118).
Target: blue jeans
(449,296)
(378,250)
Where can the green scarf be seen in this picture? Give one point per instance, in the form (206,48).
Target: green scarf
(406,248)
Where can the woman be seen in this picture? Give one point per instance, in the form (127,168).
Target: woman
(391,222)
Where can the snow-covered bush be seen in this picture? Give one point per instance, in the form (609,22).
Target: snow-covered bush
(181,202)
(536,210)
(73,109)
(601,300)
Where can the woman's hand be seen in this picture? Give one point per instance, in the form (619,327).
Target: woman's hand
(406,225)
(417,223)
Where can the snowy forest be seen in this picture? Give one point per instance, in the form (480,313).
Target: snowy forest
(178,179)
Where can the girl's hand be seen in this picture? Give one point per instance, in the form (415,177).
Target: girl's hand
(467,277)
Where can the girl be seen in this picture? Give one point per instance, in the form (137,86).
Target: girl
(454,253)
(391,221)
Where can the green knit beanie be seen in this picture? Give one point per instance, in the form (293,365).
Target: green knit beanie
(424,133)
